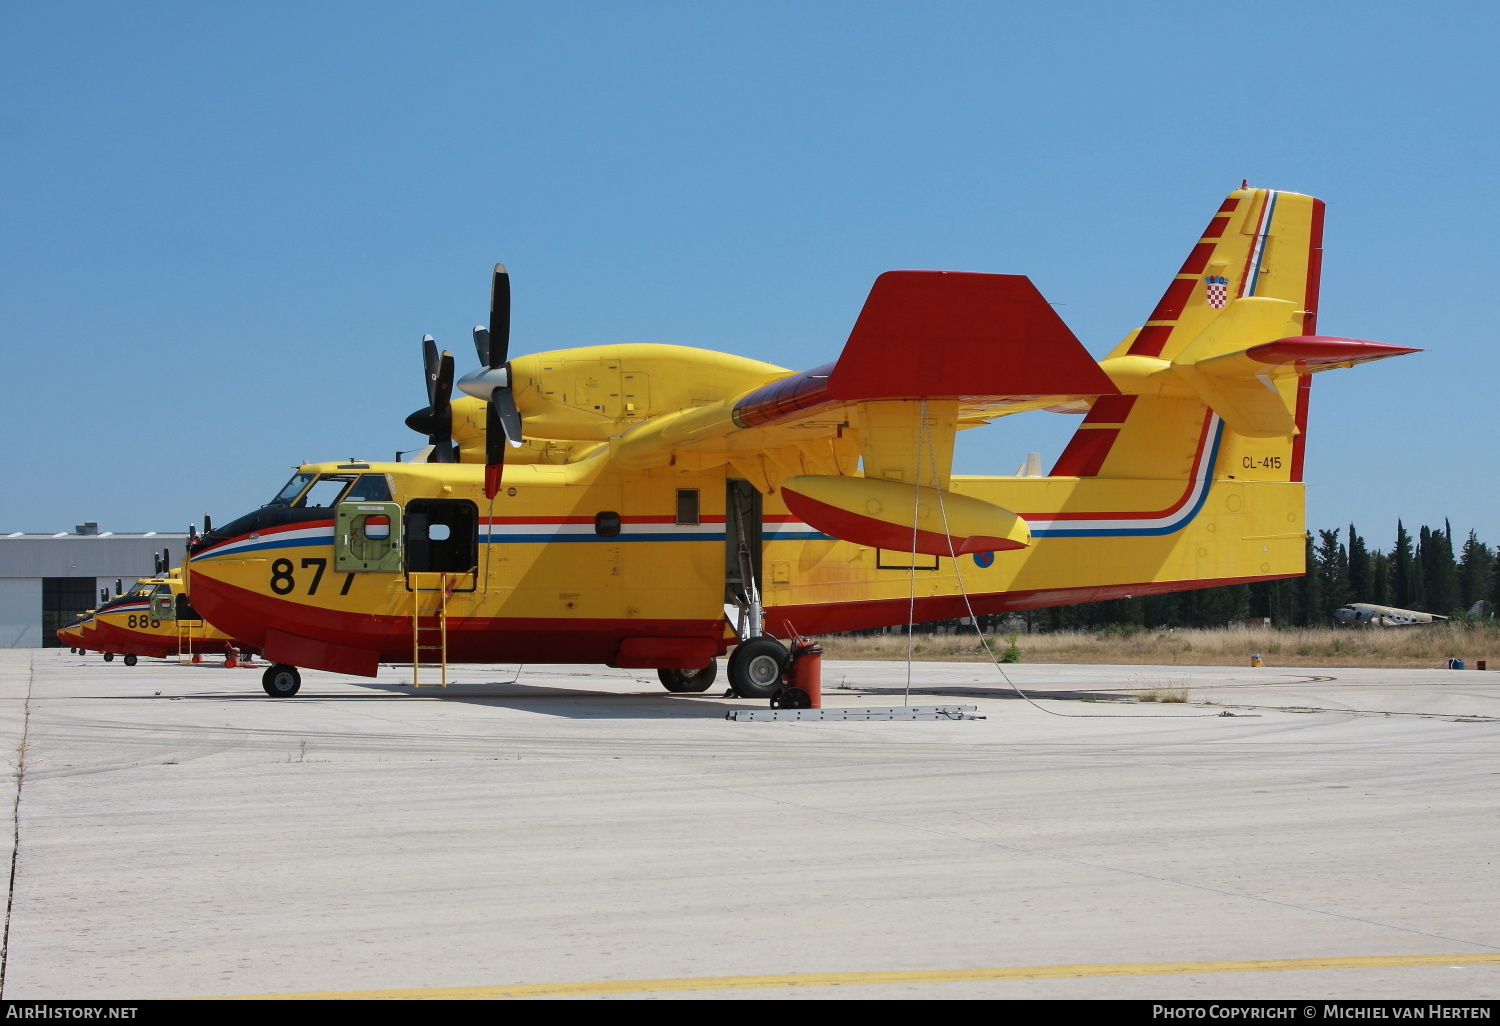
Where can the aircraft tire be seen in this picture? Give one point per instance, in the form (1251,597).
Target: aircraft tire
(130,660)
(109,657)
(281,680)
(756,667)
(682,681)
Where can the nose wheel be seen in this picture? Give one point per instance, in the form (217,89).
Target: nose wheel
(281,680)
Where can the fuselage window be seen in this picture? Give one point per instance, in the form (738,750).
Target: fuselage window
(607,524)
(687,506)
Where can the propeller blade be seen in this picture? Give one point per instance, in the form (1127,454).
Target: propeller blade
(442,384)
(429,364)
(208,525)
(482,343)
(504,405)
(494,450)
(498,351)
(436,420)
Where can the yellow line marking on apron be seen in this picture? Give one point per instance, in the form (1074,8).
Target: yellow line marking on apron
(865,979)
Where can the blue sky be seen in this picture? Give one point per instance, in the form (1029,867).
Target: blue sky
(226,227)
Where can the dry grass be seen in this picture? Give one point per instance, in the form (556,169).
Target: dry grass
(1159,689)
(1397,647)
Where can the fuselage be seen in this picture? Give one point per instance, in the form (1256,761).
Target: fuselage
(1366,613)
(155,619)
(587,562)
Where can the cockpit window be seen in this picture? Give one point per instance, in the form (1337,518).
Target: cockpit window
(163,589)
(292,490)
(325,490)
(309,490)
(369,488)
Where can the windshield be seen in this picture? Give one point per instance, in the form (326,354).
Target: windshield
(292,490)
(142,588)
(302,491)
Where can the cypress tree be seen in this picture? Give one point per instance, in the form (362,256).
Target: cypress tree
(1418,576)
(1401,575)
(1380,578)
(1310,594)
(1439,573)
(1333,572)
(1361,576)
(1475,565)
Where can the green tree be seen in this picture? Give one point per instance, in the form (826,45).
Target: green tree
(1310,594)
(1439,573)
(1380,579)
(1476,564)
(1333,572)
(1361,572)
(1401,575)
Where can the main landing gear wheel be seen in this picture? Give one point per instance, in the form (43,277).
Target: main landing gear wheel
(281,680)
(681,681)
(109,657)
(755,667)
(130,659)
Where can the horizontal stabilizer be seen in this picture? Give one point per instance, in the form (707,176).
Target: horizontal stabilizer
(1235,363)
(952,334)
(902,517)
(1301,354)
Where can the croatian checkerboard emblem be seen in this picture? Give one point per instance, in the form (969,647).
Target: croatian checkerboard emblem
(1218,291)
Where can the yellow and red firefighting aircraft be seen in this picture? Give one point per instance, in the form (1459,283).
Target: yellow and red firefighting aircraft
(78,634)
(156,619)
(661,504)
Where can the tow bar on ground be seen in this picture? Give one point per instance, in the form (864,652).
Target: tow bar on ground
(895,712)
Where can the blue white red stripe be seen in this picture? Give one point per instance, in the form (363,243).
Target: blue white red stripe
(1121,525)
(774,528)
(1258,246)
(315,533)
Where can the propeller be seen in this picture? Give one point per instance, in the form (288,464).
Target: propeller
(491,382)
(436,419)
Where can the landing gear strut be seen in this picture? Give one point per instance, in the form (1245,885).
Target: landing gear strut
(281,680)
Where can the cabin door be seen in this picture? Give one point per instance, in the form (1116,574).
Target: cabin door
(442,536)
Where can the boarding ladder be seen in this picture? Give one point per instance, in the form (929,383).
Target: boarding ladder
(188,631)
(430,592)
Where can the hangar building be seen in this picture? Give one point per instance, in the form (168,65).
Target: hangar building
(48,579)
